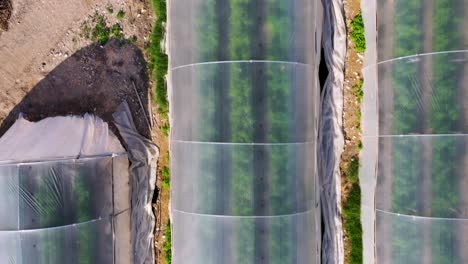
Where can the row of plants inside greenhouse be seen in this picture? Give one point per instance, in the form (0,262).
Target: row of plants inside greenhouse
(412,115)
(251,176)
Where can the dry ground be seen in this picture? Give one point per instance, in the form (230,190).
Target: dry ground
(353,66)
(49,68)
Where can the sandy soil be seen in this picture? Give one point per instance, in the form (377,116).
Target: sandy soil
(351,123)
(49,68)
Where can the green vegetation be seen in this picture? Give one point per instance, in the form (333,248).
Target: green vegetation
(353,171)
(166,177)
(120,15)
(442,117)
(405,174)
(158,61)
(357,89)
(117,32)
(408,34)
(357,33)
(101,32)
(352,205)
(352,216)
(165,128)
(446,119)
(167,247)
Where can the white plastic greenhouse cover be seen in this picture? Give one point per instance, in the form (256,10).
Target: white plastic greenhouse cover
(58,205)
(414,174)
(244,97)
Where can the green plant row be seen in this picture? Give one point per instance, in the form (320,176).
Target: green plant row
(406,172)
(445,119)
(352,216)
(158,60)
(167,247)
(241,125)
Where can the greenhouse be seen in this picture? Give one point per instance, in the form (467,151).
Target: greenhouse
(66,192)
(244,99)
(414,163)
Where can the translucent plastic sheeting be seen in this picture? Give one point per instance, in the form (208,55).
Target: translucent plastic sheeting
(227,30)
(48,194)
(423,176)
(415,132)
(82,136)
(244,119)
(88,242)
(243,179)
(409,239)
(245,102)
(423,94)
(410,27)
(220,239)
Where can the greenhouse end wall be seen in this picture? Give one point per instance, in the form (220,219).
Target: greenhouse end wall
(414,171)
(244,116)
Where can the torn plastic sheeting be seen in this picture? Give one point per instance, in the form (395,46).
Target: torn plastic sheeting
(331,131)
(143,155)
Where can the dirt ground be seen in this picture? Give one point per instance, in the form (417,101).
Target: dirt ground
(351,123)
(50,68)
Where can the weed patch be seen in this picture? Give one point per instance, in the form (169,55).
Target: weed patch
(357,33)
(166,177)
(120,15)
(98,30)
(357,89)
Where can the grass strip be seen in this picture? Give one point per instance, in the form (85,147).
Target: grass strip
(352,216)
(167,247)
(158,60)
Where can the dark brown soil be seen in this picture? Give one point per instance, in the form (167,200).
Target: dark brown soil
(93,80)
(5,14)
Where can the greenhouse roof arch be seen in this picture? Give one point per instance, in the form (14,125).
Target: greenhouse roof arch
(244,100)
(414,161)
